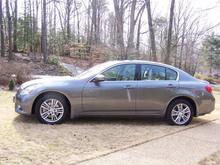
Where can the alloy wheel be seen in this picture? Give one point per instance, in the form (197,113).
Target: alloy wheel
(181,113)
(51,110)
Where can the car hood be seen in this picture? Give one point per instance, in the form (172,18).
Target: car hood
(46,80)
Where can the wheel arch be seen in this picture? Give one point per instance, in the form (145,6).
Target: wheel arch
(51,92)
(185,98)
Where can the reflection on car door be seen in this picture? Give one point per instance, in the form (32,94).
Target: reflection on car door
(117,94)
(156,87)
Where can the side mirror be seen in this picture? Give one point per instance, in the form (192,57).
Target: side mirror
(99,78)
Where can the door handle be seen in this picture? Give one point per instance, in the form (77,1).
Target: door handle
(128,87)
(171,86)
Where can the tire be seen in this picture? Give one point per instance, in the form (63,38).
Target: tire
(176,116)
(51,109)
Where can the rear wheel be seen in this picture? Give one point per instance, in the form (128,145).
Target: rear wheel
(51,109)
(179,112)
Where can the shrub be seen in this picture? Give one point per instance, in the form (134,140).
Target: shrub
(53,60)
(11,85)
(210,79)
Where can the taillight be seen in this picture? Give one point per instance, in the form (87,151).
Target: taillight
(209,88)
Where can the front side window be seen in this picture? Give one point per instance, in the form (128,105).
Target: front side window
(152,72)
(120,73)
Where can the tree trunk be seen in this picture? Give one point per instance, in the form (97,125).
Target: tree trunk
(31,28)
(2,31)
(151,31)
(15,49)
(138,33)
(44,32)
(68,8)
(182,44)
(94,22)
(169,39)
(130,46)
(78,23)
(10,54)
(119,12)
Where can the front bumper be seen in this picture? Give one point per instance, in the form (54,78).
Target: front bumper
(23,104)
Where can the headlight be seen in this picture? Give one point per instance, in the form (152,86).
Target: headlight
(28,90)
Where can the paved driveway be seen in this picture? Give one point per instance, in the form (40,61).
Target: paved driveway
(185,147)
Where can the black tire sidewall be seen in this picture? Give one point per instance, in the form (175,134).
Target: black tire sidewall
(51,96)
(172,105)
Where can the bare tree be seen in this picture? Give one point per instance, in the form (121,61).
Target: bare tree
(2,31)
(44,31)
(10,54)
(119,14)
(169,39)
(130,45)
(151,31)
(139,30)
(15,49)
(69,6)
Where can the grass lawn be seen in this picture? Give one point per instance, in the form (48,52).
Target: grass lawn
(25,141)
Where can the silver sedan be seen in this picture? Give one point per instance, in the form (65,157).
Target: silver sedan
(118,88)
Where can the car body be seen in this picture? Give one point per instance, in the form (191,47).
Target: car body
(117,88)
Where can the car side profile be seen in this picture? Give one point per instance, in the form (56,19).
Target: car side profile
(118,88)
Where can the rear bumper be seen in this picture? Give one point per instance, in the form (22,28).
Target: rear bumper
(206,105)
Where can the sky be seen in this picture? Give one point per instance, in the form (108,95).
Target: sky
(209,17)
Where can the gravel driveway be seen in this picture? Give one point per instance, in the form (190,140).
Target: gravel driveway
(25,141)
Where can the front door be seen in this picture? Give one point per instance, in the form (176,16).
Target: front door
(114,95)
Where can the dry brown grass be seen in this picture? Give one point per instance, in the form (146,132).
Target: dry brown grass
(213,159)
(25,141)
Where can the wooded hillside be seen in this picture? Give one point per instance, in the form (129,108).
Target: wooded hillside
(100,30)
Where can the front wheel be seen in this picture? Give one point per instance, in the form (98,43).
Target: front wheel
(51,109)
(179,112)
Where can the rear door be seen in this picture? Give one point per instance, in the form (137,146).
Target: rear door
(157,85)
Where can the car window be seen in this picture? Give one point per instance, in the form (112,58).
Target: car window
(152,72)
(171,74)
(120,73)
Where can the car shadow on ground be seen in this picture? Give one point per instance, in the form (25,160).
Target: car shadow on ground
(107,120)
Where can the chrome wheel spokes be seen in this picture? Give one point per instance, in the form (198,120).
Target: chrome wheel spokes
(181,113)
(51,110)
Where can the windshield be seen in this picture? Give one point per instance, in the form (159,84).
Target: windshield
(94,70)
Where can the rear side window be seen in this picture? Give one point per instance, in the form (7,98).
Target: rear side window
(171,74)
(152,72)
